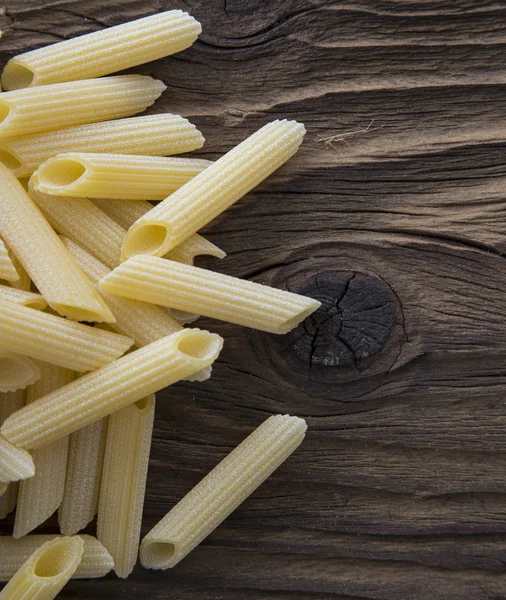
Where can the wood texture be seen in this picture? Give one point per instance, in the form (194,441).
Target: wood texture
(399,491)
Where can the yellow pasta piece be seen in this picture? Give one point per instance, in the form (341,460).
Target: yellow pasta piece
(103,52)
(23,283)
(221,491)
(46,571)
(23,298)
(31,238)
(124,176)
(211,192)
(168,283)
(124,482)
(95,560)
(150,135)
(57,341)
(16,372)
(15,463)
(112,387)
(10,403)
(7,269)
(123,212)
(40,496)
(84,476)
(74,103)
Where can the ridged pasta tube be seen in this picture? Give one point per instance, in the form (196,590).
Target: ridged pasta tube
(74,103)
(16,372)
(10,402)
(210,193)
(29,299)
(31,238)
(7,270)
(119,384)
(95,560)
(168,283)
(103,52)
(59,341)
(124,482)
(46,571)
(129,177)
(150,135)
(40,496)
(221,491)
(15,463)
(84,475)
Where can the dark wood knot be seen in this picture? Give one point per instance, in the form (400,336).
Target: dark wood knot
(357,315)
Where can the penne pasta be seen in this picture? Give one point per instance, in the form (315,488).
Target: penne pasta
(10,403)
(221,491)
(15,463)
(37,246)
(112,387)
(150,135)
(7,269)
(84,475)
(124,482)
(211,192)
(40,496)
(19,296)
(55,340)
(95,560)
(65,104)
(124,213)
(129,177)
(23,283)
(44,574)
(16,372)
(103,52)
(168,283)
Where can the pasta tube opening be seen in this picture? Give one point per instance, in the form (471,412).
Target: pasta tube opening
(159,555)
(10,159)
(6,111)
(145,239)
(60,173)
(199,344)
(59,558)
(17,76)
(16,372)
(289,324)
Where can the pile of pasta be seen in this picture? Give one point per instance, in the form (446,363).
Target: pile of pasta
(98,289)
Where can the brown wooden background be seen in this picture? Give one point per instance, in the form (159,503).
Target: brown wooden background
(399,491)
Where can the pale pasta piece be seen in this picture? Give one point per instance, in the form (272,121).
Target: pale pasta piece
(124,482)
(44,574)
(129,177)
(74,103)
(103,52)
(7,269)
(221,491)
(45,258)
(23,298)
(168,283)
(123,382)
(194,246)
(84,476)
(150,135)
(55,340)
(15,463)
(10,403)
(16,372)
(95,560)
(40,496)
(211,192)
(23,283)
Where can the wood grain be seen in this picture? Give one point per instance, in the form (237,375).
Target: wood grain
(397,196)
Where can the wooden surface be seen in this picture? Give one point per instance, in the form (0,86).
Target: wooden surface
(399,225)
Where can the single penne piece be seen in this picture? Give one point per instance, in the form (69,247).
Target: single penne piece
(95,561)
(15,463)
(123,212)
(194,246)
(10,403)
(74,103)
(23,283)
(16,372)
(40,496)
(55,340)
(103,52)
(36,245)
(7,269)
(23,298)
(150,135)
(211,192)
(124,482)
(221,491)
(119,384)
(168,283)
(44,574)
(128,177)
(84,475)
